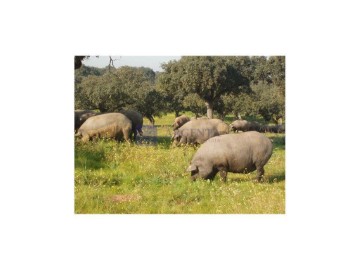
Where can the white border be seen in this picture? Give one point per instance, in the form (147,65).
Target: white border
(320,229)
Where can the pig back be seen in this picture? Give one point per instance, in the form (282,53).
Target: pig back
(236,152)
(106,123)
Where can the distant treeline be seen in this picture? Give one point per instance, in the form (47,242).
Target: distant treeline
(205,85)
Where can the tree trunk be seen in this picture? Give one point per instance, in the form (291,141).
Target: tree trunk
(177,114)
(209,109)
(102,108)
(151,119)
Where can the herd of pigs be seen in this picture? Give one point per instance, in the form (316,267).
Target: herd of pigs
(243,151)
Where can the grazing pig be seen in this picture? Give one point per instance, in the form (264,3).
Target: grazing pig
(108,125)
(199,130)
(243,125)
(81,116)
(273,129)
(238,153)
(136,119)
(180,121)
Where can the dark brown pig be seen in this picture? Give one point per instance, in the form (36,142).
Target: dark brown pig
(81,116)
(136,119)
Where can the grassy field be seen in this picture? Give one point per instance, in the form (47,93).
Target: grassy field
(113,177)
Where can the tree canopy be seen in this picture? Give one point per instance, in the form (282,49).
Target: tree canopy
(114,89)
(238,85)
(209,77)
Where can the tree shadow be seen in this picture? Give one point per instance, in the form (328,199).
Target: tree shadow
(278,140)
(275,178)
(163,141)
(89,158)
(268,179)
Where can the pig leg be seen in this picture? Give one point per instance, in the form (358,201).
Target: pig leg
(134,133)
(260,174)
(127,136)
(183,141)
(208,173)
(223,175)
(85,138)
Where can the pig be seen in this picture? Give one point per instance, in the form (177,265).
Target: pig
(137,121)
(273,129)
(198,131)
(180,121)
(243,125)
(81,116)
(108,125)
(237,152)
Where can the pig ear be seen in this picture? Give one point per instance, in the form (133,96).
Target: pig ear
(192,168)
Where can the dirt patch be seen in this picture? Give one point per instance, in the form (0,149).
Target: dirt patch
(120,198)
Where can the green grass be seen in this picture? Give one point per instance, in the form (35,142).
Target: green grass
(113,177)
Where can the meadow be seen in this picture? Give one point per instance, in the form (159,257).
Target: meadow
(151,178)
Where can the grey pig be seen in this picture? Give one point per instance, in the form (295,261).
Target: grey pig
(108,125)
(198,131)
(238,153)
(243,125)
(180,121)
